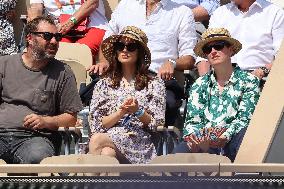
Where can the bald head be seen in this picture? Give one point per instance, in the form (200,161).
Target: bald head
(243,5)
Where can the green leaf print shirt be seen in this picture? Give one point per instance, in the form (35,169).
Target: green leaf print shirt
(232,108)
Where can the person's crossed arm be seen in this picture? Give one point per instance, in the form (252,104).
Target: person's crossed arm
(85,10)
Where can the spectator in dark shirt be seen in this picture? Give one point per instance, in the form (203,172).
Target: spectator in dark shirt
(38,95)
(7,40)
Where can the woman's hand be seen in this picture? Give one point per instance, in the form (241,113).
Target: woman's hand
(207,137)
(130,105)
(220,141)
(192,142)
(198,143)
(204,143)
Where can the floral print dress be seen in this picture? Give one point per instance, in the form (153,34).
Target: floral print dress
(232,108)
(7,40)
(137,148)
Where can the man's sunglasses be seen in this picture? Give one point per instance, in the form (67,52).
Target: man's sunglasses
(48,36)
(217,46)
(130,46)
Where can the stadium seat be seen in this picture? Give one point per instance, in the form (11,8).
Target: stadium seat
(265,130)
(78,159)
(79,58)
(2,162)
(192,158)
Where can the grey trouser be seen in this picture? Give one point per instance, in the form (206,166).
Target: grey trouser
(20,146)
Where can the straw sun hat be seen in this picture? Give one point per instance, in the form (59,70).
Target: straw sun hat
(131,32)
(216,34)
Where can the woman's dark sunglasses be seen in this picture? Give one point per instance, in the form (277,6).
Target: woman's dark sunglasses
(48,36)
(217,46)
(130,46)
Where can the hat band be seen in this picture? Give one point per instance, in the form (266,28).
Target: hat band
(217,35)
(133,33)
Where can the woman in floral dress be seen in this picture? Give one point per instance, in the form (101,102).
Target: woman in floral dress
(7,39)
(127,102)
(220,103)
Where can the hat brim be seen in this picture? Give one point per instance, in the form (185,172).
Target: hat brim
(107,47)
(237,46)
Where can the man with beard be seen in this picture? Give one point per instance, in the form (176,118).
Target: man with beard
(37,96)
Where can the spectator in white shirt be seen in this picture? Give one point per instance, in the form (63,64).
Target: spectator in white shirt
(202,9)
(258,25)
(170,29)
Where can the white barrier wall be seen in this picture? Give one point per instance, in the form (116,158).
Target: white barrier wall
(263,141)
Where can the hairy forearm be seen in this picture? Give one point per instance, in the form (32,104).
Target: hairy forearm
(185,63)
(62,120)
(86,9)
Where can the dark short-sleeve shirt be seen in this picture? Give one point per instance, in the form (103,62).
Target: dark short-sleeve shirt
(50,91)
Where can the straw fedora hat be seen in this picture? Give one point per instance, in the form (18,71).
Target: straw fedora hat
(216,34)
(131,32)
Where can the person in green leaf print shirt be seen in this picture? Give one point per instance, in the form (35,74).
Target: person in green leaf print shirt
(220,103)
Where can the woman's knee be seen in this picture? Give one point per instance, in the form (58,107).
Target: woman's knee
(108,151)
(98,141)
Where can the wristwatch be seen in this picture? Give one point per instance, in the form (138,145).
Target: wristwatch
(173,62)
(265,71)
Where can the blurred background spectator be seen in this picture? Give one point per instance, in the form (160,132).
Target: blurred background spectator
(78,11)
(7,40)
(202,9)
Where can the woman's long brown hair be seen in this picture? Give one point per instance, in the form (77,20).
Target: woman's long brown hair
(142,76)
